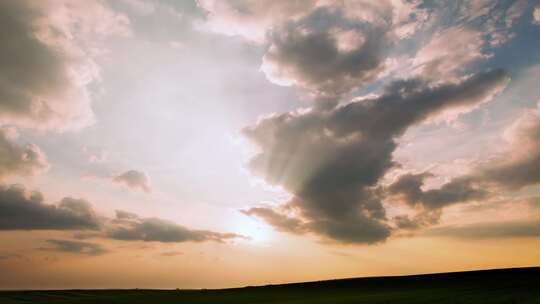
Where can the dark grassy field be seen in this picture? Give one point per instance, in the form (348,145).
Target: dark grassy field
(520,285)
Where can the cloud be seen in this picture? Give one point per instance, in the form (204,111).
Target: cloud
(449,51)
(326,59)
(17,159)
(520,167)
(332,160)
(21,210)
(428,204)
(459,190)
(280,221)
(75,247)
(327,48)
(490,230)
(515,11)
(47,61)
(133,179)
(420,220)
(130,227)
(513,170)
(536,15)
(140,7)
(251,19)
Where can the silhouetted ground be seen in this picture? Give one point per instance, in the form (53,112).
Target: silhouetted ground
(519,285)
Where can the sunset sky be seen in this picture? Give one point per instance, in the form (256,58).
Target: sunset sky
(219,143)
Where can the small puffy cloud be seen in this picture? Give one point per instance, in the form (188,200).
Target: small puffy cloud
(76,247)
(17,159)
(133,179)
(47,60)
(332,160)
(23,210)
(130,227)
(536,14)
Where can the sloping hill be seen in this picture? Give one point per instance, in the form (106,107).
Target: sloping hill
(519,285)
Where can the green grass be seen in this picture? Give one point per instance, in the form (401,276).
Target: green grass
(520,285)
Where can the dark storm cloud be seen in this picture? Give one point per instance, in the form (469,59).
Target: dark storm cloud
(17,159)
(130,227)
(508,229)
(328,58)
(458,190)
(332,160)
(21,210)
(133,179)
(75,247)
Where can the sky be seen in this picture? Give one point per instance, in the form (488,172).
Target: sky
(209,144)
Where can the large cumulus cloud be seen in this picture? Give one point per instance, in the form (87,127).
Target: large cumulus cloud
(333,160)
(47,61)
